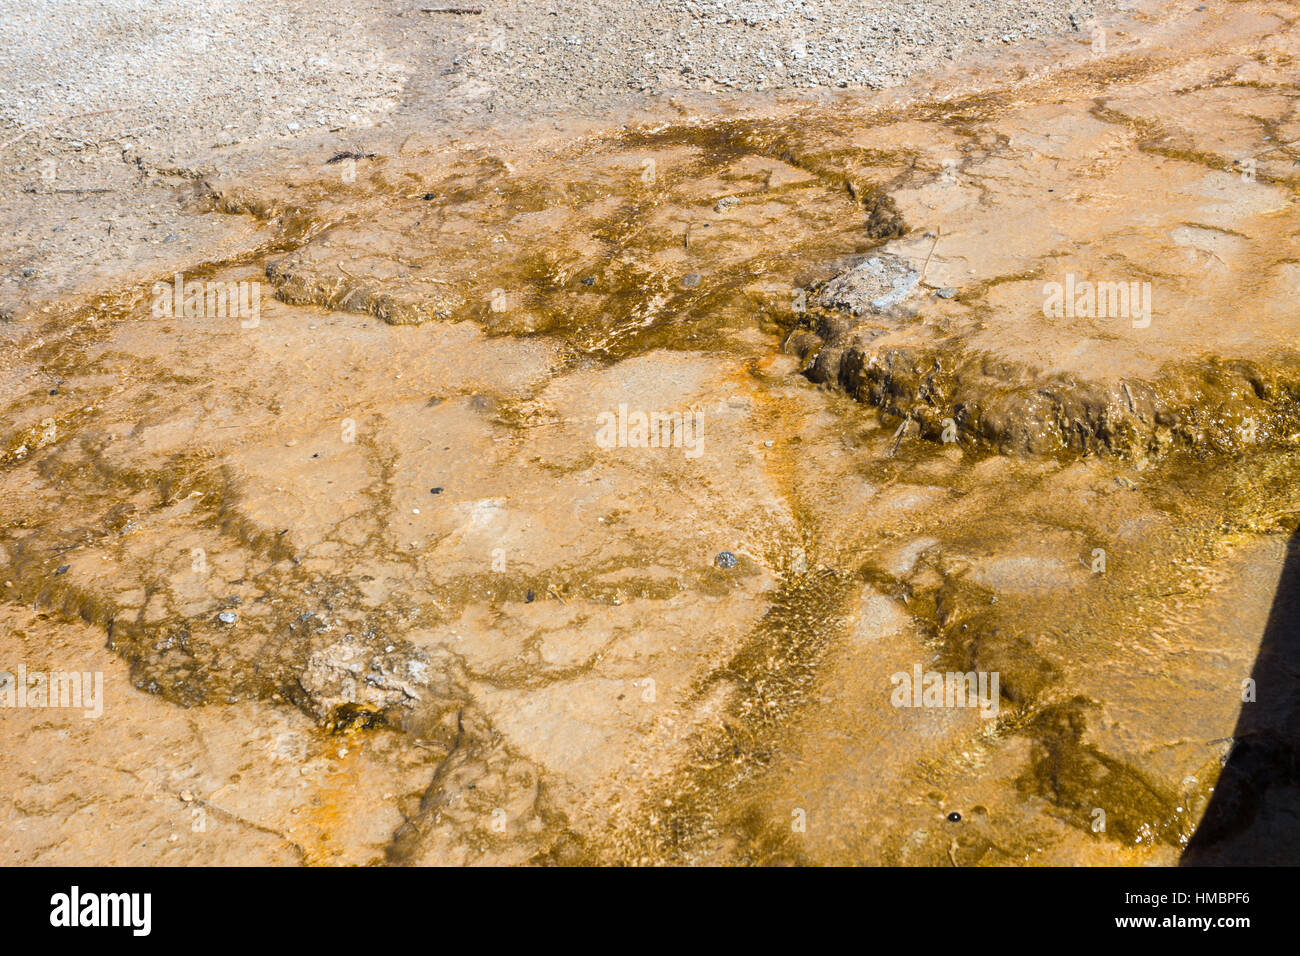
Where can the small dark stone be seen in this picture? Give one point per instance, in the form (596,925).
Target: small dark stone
(954,817)
(28,273)
(54,391)
(316,455)
(427,196)
(726,559)
(63,569)
(588,280)
(348,154)
(435,491)
(529,597)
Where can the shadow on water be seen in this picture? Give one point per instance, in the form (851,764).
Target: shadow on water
(1254,815)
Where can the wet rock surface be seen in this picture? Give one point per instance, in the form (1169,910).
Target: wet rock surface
(1062,315)
(605,566)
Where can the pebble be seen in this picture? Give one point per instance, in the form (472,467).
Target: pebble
(691,280)
(227,617)
(726,559)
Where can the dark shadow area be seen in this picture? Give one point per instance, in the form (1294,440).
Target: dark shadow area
(1254,815)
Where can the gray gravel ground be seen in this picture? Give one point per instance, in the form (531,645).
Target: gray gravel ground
(226,71)
(109,107)
(648,45)
(173,65)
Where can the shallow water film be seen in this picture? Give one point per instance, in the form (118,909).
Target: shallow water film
(896,473)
